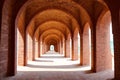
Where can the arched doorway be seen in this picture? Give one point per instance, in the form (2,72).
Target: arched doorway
(51,47)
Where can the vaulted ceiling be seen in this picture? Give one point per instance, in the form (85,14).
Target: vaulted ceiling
(57,18)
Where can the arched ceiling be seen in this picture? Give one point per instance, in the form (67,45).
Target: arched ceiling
(53,38)
(50,32)
(51,25)
(63,15)
(54,15)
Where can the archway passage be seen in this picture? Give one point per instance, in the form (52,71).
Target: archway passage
(51,47)
(77,35)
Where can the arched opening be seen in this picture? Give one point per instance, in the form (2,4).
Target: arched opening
(51,47)
(78,46)
(112,46)
(90,56)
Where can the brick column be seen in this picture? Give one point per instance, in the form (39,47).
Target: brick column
(61,48)
(65,48)
(68,48)
(29,47)
(36,49)
(39,49)
(93,49)
(33,45)
(103,53)
(20,48)
(116,35)
(86,47)
(75,41)
(81,49)
(73,49)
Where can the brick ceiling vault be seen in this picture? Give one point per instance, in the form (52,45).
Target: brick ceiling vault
(57,17)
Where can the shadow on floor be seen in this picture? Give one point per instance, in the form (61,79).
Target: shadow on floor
(52,57)
(75,66)
(44,60)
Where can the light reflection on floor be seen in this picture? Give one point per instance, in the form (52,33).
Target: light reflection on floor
(53,62)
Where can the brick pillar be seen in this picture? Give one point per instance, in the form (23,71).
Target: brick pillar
(75,41)
(29,47)
(93,49)
(61,47)
(25,50)
(73,58)
(33,45)
(81,49)
(103,53)
(43,47)
(86,47)
(36,49)
(39,49)
(66,48)
(58,45)
(69,48)
(20,49)
(116,35)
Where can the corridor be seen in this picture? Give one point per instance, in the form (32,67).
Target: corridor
(54,66)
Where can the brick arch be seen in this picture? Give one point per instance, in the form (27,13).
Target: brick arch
(57,38)
(52,25)
(103,56)
(52,31)
(48,32)
(74,5)
(58,33)
(52,41)
(86,45)
(79,7)
(57,19)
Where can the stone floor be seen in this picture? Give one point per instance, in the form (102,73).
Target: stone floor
(53,66)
